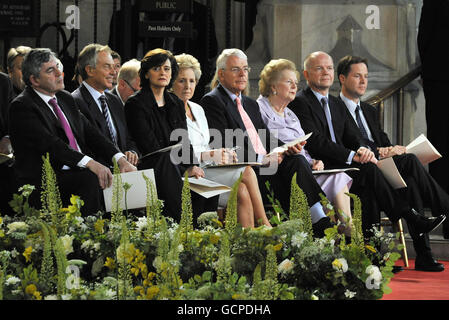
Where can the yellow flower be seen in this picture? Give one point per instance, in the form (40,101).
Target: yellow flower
(27,253)
(152,292)
(30,289)
(37,295)
(110,263)
(99,226)
(277,247)
(370,248)
(236,296)
(214,239)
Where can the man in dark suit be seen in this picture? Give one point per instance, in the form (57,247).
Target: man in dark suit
(103,109)
(6,176)
(239,123)
(433,23)
(336,142)
(45,119)
(422,189)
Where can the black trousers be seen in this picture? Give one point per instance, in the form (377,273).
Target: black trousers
(422,192)
(437,117)
(280,181)
(376,195)
(169,185)
(83,183)
(7,188)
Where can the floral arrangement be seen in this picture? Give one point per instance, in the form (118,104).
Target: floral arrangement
(55,253)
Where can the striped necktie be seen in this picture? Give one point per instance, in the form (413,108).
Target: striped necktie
(107,117)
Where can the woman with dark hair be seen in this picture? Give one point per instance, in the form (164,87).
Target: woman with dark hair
(152,115)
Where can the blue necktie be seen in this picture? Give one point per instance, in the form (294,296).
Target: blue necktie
(327,112)
(360,123)
(107,117)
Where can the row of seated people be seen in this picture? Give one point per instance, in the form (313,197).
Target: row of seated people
(45,118)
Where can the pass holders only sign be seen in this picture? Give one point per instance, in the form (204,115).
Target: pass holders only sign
(163,29)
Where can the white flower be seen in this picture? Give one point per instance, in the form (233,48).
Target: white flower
(374,272)
(66,296)
(180,248)
(51,297)
(285,266)
(340,265)
(350,294)
(374,278)
(67,243)
(17,226)
(141,223)
(11,281)
(298,239)
(86,245)
(314,297)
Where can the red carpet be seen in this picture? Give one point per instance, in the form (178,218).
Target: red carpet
(410,284)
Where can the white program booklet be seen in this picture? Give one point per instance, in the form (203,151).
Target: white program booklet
(207,188)
(423,149)
(284,147)
(391,173)
(136,196)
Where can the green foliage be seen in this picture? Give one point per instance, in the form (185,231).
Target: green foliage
(50,198)
(124,255)
(231,209)
(117,195)
(186,224)
(279,215)
(356,232)
(47,270)
(299,208)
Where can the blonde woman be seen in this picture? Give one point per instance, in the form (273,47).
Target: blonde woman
(277,86)
(250,208)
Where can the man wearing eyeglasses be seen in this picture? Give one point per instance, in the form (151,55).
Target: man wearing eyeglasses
(103,109)
(237,118)
(128,80)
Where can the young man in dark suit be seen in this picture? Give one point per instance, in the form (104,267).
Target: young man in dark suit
(422,189)
(104,110)
(337,143)
(45,119)
(237,118)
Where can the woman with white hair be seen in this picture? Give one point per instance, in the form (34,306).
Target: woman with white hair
(250,207)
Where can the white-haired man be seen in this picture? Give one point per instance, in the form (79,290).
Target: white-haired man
(128,80)
(231,112)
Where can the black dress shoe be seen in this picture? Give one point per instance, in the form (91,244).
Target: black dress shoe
(319,227)
(423,224)
(428,264)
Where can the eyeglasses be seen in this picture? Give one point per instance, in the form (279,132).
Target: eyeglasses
(131,87)
(291,82)
(237,70)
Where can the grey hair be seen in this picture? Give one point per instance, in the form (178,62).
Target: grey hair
(13,53)
(32,63)
(221,64)
(88,57)
(129,70)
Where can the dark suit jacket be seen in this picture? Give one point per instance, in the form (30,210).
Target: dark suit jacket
(150,130)
(90,109)
(320,146)
(433,24)
(6,93)
(370,113)
(35,131)
(222,114)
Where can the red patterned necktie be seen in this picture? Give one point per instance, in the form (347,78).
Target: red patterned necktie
(65,125)
(250,129)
